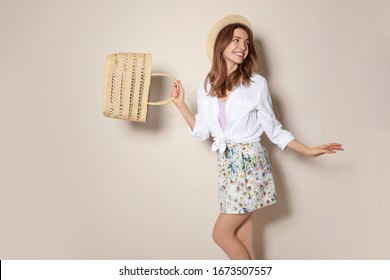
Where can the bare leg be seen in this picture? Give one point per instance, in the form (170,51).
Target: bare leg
(245,235)
(224,235)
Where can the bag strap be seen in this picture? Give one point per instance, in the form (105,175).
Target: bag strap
(169,99)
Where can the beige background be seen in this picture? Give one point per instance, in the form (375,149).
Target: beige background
(77,185)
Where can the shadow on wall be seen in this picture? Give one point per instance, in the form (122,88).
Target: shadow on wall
(279,210)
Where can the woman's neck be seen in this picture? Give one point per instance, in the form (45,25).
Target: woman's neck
(231,67)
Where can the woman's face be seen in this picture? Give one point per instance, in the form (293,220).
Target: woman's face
(238,49)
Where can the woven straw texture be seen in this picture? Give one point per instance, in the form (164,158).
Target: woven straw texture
(126,86)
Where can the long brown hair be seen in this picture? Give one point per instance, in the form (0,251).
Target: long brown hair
(218,78)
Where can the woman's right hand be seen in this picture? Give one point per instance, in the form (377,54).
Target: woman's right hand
(178,94)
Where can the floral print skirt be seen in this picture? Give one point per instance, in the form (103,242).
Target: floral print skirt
(245,178)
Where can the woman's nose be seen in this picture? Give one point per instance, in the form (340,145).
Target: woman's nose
(243,46)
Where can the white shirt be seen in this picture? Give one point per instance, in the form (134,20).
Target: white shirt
(248,112)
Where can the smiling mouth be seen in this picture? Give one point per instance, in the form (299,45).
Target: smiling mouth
(239,54)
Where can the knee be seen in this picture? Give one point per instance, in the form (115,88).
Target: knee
(244,237)
(219,236)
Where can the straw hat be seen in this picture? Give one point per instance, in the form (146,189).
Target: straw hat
(230,19)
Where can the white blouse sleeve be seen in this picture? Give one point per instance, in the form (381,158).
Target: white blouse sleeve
(200,130)
(272,127)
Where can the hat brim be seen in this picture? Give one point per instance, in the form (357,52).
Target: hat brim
(230,19)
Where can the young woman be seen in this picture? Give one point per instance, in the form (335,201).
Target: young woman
(234,106)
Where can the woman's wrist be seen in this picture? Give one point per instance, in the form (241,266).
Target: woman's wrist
(299,147)
(181,105)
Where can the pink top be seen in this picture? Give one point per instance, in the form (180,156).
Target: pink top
(222,115)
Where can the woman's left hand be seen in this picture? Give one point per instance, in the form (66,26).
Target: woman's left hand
(330,148)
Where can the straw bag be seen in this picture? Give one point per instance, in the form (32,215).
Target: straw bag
(126,86)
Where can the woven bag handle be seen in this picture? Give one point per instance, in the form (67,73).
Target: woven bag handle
(169,99)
